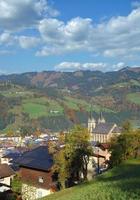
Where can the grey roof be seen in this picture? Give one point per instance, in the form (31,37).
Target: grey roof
(38,158)
(117,130)
(103,128)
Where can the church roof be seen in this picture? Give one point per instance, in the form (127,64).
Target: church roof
(116,130)
(103,128)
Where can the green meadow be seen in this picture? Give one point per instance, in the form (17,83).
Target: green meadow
(120,183)
(134,97)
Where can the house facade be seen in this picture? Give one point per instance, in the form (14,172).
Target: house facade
(36,173)
(6,175)
(36,183)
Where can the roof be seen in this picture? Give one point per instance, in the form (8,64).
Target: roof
(12,155)
(104,146)
(38,158)
(117,130)
(6,171)
(103,128)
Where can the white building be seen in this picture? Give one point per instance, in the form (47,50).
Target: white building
(101,131)
(6,175)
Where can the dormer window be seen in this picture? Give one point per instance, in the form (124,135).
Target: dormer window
(40,179)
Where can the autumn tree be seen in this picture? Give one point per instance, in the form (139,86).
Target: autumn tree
(61,166)
(126,127)
(78,150)
(124,146)
(72,160)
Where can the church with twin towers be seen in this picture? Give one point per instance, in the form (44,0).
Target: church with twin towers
(100,130)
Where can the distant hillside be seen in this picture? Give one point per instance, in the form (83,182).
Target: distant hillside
(120,183)
(57,100)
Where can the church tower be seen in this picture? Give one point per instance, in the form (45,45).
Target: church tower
(91,122)
(101,119)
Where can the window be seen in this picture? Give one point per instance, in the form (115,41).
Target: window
(40,179)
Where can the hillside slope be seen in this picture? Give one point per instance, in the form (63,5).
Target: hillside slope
(120,183)
(57,100)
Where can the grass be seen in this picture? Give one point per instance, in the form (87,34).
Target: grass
(38,107)
(130,83)
(16,91)
(134,97)
(76,104)
(43,106)
(120,183)
(34,110)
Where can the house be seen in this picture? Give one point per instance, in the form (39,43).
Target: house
(36,175)
(6,175)
(102,131)
(9,158)
(98,161)
(15,139)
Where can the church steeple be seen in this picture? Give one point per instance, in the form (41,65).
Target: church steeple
(91,121)
(101,118)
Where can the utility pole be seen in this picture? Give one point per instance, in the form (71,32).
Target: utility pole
(98,164)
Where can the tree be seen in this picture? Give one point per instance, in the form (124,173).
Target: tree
(71,162)
(10,133)
(126,127)
(37,133)
(78,150)
(52,147)
(124,146)
(61,166)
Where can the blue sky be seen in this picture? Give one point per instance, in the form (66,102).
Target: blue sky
(69,35)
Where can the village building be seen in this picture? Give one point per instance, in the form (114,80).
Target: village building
(6,175)
(36,173)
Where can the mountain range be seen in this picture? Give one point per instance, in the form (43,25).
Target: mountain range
(57,100)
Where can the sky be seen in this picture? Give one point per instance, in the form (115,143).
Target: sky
(69,35)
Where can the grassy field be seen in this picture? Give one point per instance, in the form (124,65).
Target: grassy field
(76,104)
(34,110)
(16,91)
(126,84)
(45,107)
(120,183)
(134,97)
(38,107)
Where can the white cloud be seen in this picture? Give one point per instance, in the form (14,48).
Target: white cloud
(28,42)
(60,38)
(18,14)
(118,66)
(116,37)
(5,38)
(73,66)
